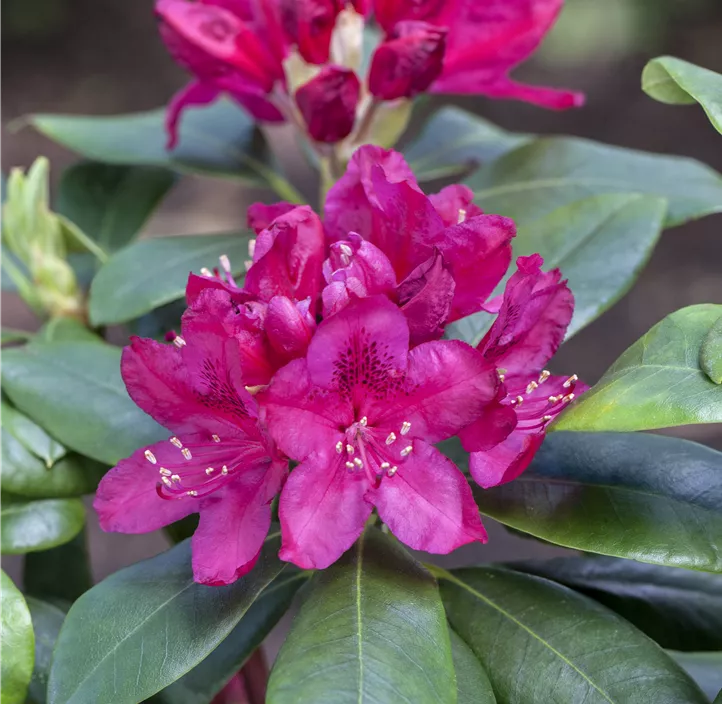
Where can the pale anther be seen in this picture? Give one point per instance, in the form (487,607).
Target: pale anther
(407,450)
(247,264)
(364,421)
(150,457)
(405,427)
(224,470)
(345,249)
(385,465)
(178,341)
(175,477)
(357,461)
(568,398)
(349,465)
(570,381)
(391,438)
(165,472)
(192,492)
(205,271)
(392,471)
(546,419)
(251,247)
(339,447)
(176,442)
(554,399)
(186,453)
(209,470)
(215,438)
(349,449)
(517,401)
(544,376)
(225,263)
(531,386)
(462,215)
(166,481)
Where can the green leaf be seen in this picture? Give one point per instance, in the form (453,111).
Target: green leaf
(47,620)
(645,497)
(541,642)
(704,668)
(31,436)
(220,140)
(679,609)
(656,383)
(61,574)
(147,625)
(710,354)
(472,682)
(372,629)
(618,230)
(550,172)
(66,330)
(18,646)
(204,681)
(678,82)
(38,525)
(151,273)
(75,391)
(111,203)
(10,335)
(454,140)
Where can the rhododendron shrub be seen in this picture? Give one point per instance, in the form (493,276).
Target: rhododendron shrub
(326,410)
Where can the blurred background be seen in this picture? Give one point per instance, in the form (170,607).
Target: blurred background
(104,57)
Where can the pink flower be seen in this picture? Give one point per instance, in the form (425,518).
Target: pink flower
(535,311)
(485,40)
(220,462)
(361,414)
(379,199)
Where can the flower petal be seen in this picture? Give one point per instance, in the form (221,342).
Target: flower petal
(506,461)
(309,24)
(259,215)
(428,504)
(289,327)
(448,386)
(455,203)
(194,93)
(322,511)
(127,500)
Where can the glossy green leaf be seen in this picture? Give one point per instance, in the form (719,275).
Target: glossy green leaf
(204,681)
(550,172)
(710,354)
(47,621)
(75,391)
(704,668)
(147,625)
(454,140)
(110,203)
(679,609)
(678,82)
(220,140)
(31,436)
(66,330)
(59,575)
(372,629)
(472,682)
(649,498)
(27,526)
(151,273)
(656,383)
(617,230)
(17,646)
(541,642)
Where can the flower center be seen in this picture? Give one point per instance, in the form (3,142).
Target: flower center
(376,452)
(535,407)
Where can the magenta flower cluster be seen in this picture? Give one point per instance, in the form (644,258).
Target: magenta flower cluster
(329,359)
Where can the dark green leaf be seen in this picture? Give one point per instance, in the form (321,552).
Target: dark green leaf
(111,203)
(74,389)
(548,173)
(678,82)
(541,642)
(372,629)
(454,140)
(645,497)
(47,620)
(151,273)
(10,335)
(220,140)
(66,330)
(704,668)
(205,680)
(472,682)
(619,231)
(38,525)
(656,383)
(18,646)
(710,354)
(61,574)
(146,626)
(680,609)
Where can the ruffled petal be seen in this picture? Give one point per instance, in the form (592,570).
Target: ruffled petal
(259,215)
(289,327)
(428,504)
(127,499)
(448,386)
(303,419)
(455,203)
(322,511)
(309,24)
(506,461)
